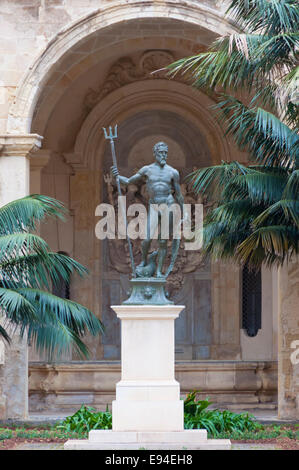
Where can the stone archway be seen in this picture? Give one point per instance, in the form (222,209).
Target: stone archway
(52,67)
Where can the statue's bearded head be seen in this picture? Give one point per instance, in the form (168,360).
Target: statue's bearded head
(161,152)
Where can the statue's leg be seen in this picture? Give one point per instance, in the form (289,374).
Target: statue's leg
(152,222)
(162,250)
(145,246)
(175,243)
(174,253)
(161,257)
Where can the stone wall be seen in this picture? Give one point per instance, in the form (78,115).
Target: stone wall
(236,385)
(288,343)
(29,26)
(2,394)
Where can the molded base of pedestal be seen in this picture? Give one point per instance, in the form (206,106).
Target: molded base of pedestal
(148,415)
(179,440)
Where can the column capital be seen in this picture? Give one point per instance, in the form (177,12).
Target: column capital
(19,145)
(40,158)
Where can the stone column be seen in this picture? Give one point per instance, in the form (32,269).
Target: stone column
(15,153)
(288,341)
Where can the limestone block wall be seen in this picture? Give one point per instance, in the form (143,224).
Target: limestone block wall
(288,342)
(236,385)
(2,395)
(27,27)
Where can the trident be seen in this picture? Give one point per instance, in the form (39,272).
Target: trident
(111,136)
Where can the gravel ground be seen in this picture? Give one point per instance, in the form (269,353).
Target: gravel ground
(47,444)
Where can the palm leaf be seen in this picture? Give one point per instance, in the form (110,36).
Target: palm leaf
(13,244)
(70,313)
(55,339)
(281,135)
(268,245)
(267,138)
(23,214)
(15,307)
(259,185)
(210,179)
(292,186)
(42,272)
(267,16)
(287,209)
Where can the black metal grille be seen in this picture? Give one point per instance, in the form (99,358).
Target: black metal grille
(62,290)
(251,301)
(62,287)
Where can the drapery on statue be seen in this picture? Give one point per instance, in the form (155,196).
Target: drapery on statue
(163,186)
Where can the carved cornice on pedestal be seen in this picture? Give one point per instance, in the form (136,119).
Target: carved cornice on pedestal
(19,145)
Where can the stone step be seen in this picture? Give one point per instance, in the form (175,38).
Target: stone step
(210,444)
(189,439)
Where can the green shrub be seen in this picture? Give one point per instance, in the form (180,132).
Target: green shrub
(86,419)
(197,416)
(5,434)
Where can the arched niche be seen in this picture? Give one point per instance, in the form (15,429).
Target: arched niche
(145,111)
(190,111)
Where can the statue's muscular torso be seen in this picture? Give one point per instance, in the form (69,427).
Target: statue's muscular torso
(159,183)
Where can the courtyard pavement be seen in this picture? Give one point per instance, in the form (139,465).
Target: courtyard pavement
(53,446)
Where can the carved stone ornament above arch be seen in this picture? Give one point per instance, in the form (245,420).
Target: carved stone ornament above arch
(151,65)
(147,95)
(206,16)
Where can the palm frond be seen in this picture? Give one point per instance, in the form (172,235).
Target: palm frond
(277,243)
(287,209)
(14,244)
(267,16)
(40,271)
(292,186)
(53,324)
(227,65)
(255,130)
(15,307)
(56,339)
(211,180)
(23,214)
(258,183)
(277,49)
(234,213)
(70,313)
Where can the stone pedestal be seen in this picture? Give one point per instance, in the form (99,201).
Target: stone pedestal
(148,396)
(148,412)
